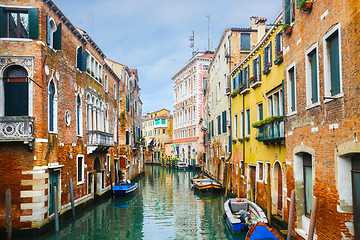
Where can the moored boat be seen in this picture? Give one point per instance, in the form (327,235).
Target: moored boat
(182,166)
(205,184)
(124,189)
(241,214)
(261,231)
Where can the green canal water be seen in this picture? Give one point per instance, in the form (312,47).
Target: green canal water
(164,207)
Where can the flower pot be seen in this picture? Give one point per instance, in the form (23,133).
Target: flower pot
(288,30)
(307,7)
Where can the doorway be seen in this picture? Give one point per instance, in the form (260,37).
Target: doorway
(53,182)
(355,178)
(278,186)
(97,179)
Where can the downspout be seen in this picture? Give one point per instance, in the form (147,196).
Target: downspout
(243,136)
(230,116)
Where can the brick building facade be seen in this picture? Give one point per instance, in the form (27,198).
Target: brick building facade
(321,63)
(58,114)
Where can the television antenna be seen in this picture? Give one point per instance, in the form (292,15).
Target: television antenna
(192,42)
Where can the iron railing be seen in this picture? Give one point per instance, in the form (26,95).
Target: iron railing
(273,131)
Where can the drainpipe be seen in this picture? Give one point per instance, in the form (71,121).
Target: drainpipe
(243,135)
(230,116)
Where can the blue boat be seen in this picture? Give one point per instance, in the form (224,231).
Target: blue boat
(241,214)
(125,189)
(261,231)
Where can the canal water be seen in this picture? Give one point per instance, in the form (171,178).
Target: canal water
(164,207)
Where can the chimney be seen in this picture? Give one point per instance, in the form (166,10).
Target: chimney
(260,25)
(253,22)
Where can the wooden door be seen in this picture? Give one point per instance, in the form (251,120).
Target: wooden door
(53,181)
(279,190)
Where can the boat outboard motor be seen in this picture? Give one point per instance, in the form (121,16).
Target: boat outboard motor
(244,216)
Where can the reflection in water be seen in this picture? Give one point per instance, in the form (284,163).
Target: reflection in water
(164,207)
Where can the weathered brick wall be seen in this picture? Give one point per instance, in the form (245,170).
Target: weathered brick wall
(314,128)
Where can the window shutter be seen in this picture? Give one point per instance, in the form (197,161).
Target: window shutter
(261,116)
(334,64)
(2,22)
(230,144)
(265,52)
(83,61)
(234,82)
(33,23)
(79,57)
(270,53)
(314,80)
(259,67)
(277,44)
(57,37)
(254,68)
(224,126)
(127,138)
(127,104)
(292,77)
(48,28)
(286,10)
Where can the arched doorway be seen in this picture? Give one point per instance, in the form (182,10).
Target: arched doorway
(16,93)
(278,187)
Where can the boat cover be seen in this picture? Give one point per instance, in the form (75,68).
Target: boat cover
(262,233)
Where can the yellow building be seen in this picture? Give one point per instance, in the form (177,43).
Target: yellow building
(157,130)
(258,133)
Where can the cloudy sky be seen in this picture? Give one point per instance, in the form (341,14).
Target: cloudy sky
(153,35)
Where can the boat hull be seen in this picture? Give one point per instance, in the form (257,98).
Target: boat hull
(125,189)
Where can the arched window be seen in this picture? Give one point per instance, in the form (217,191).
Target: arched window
(52,107)
(16,91)
(78,116)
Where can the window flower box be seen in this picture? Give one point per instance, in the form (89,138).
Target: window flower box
(267,69)
(279,58)
(287,29)
(235,92)
(305,5)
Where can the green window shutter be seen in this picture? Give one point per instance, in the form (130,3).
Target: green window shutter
(212,128)
(83,61)
(277,44)
(259,67)
(292,79)
(270,57)
(2,22)
(127,104)
(33,23)
(286,10)
(234,82)
(57,37)
(334,64)
(248,121)
(265,52)
(224,121)
(254,68)
(230,144)
(48,29)
(261,115)
(314,80)
(79,57)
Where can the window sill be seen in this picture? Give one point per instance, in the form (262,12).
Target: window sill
(93,78)
(260,181)
(313,105)
(80,136)
(53,132)
(292,114)
(332,98)
(17,39)
(79,183)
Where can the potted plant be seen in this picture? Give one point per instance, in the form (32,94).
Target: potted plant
(279,58)
(252,79)
(287,29)
(305,5)
(88,70)
(92,74)
(234,93)
(267,69)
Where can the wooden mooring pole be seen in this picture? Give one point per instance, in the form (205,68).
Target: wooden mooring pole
(111,182)
(56,208)
(268,197)
(312,219)
(8,214)
(72,198)
(291,214)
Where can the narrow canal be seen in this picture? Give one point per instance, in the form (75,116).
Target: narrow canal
(165,207)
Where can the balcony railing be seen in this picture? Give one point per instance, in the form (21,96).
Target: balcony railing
(16,128)
(272,132)
(97,139)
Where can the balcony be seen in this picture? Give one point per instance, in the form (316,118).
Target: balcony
(273,132)
(97,140)
(254,82)
(17,129)
(244,88)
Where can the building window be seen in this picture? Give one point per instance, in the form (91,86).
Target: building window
(114,90)
(235,126)
(106,83)
(291,89)
(127,137)
(54,33)
(332,62)
(78,116)
(163,121)
(194,131)
(275,104)
(218,118)
(94,68)
(267,56)
(224,121)
(164,131)
(52,107)
(242,124)
(260,171)
(248,125)
(260,112)
(308,183)
(278,44)
(80,169)
(205,67)
(245,78)
(289,10)
(312,76)
(108,164)
(19,23)
(245,41)
(257,68)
